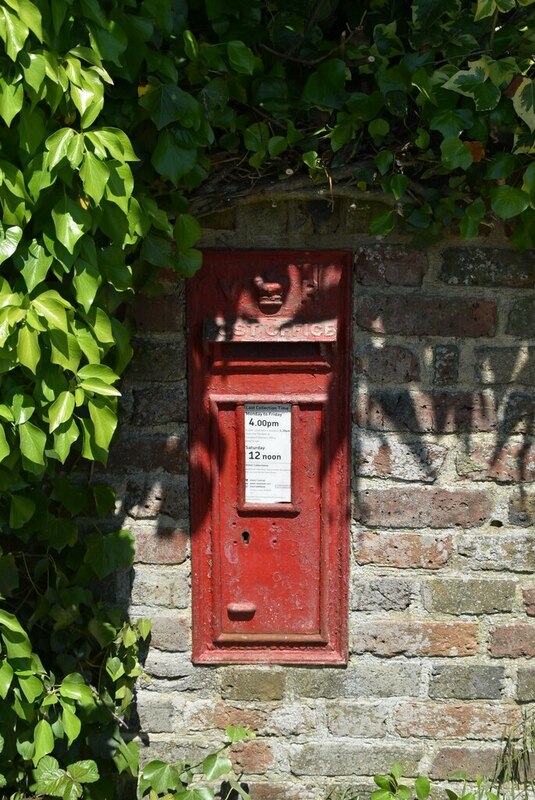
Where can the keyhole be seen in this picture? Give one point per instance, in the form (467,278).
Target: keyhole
(245,537)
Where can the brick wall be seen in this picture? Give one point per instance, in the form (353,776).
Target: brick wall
(443,549)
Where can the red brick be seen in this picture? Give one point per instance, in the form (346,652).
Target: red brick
(425,412)
(474,761)
(390,364)
(445,364)
(512,461)
(162,313)
(252,757)
(514,640)
(162,546)
(452,721)
(415,638)
(423,507)
(133,451)
(421,315)
(225,715)
(528,596)
(386,266)
(522,317)
(403,550)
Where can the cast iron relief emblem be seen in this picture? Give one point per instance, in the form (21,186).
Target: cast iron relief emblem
(271,290)
(295,286)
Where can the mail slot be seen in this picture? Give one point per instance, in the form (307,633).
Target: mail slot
(269,335)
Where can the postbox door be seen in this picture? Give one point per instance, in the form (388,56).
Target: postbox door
(269,425)
(271,566)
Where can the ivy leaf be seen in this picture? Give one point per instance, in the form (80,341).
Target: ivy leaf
(105,554)
(94,174)
(51,306)
(61,410)
(326,86)
(104,422)
(159,776)
(35,265)
(240,57)
(9,240)
(14,33)
(6,677)
(507,202)
(43,740)
(426,12)
(21,511)
(84,771)
(57,145)
(455,154)
(472,217)
(70,222)
(72,725)
(64,349)
(171,160)
(187,231)
(215,765)
(11,100)
(29,14)
(168,103)
(4,446)
(28,350)
(32,446)
(473,83)
(484,9)
(524,102)
(451,121)
(86,281)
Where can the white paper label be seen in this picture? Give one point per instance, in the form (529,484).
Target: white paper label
(268,453)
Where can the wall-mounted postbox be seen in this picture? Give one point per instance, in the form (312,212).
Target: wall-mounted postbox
(269,336)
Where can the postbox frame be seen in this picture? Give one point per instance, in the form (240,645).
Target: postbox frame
(210,644)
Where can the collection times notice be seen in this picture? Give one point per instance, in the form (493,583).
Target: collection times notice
(268,453)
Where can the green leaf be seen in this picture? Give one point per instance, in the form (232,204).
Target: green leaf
(32,687)
(473,83)
(451,121)
(326,86)
(215,765)
(11,100)
(57,145)
(51,306)
(64,349)
(70,222)
(104,554)
(34,267)
(382,224)
(188,262)
(9,240)
(507,202)
(64,437)
(94,174)
(61,410)
(423,787)
(74,687)
(6,677)
(114,141)
(9,577)
(524,102)
(160,776)
(187,231)
(21,511)
(384,159)
(43,740)
(29,14)
(378,129)
(104,421)
(84,771)
(426,12)
(240,57)
(32,446)
(484,9)
(14,33)
(472,217)
(170,160)
(99,371)
(96,386)
(28,350)
(71,724)
(168,103)
(454,153)
(4,445)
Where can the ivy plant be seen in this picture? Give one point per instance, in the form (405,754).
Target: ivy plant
(115,117)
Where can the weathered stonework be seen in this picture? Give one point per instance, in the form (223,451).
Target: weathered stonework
(442,594)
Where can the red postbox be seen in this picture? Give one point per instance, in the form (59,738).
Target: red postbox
(269,335)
